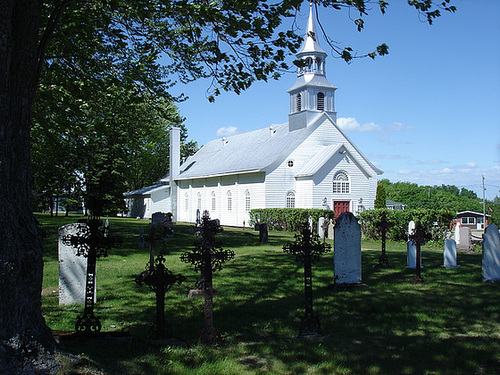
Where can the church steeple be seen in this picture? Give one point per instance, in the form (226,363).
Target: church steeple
(311,94)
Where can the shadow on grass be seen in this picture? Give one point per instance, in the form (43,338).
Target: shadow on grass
(447,325)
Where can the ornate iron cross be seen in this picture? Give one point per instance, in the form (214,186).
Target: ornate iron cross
(91,241)
(383,226)
(208,257)
(307,248)
(158,277)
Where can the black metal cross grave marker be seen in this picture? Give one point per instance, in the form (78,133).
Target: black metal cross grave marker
(307,248)
(208,257)
(91,241)
(158,277)
(383,226)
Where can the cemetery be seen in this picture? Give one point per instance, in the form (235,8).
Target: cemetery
(368,317)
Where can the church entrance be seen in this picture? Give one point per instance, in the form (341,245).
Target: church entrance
(340,206)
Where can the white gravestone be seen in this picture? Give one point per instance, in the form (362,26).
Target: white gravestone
(72,268)
(331,230)
(347,256)
(321,228)
(491,254)
(411,228)
(411,255)
(450,254)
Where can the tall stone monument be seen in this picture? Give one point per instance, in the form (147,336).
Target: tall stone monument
(491,254)
(72,268)
(347,244)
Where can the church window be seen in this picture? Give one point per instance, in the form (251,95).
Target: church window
(290,163)
(321,101)
(213,201)
(229,201)
(247,201)
(186,202)
(199,201)
(290,199)
(341,183)
(299,102)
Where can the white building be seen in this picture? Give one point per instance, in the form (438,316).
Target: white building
(306,163)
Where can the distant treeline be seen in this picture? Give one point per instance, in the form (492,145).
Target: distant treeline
(438,197)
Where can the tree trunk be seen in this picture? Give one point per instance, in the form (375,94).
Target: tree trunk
(26,343)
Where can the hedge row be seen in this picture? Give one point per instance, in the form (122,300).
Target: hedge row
(289,219)
(437,221)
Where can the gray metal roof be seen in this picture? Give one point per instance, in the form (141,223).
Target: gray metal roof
(247,152)
(311,80)
(147,189)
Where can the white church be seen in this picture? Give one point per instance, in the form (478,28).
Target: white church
(308,162)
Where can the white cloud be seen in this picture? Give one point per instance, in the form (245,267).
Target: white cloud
(227,131)
(389,157)
(431,162)
(350,124)
(397,127)
(471,165)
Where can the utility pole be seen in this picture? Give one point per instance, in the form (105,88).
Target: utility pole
(484,207)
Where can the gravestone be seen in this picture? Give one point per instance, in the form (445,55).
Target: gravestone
(411,228)
(463,239)
(331,230)
(450,254)
(321,227)
(411,255)
(411,248)
(72,268)
(347,244)
(491,254)
(263,233)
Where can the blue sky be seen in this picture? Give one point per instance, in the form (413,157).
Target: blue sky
(428,113)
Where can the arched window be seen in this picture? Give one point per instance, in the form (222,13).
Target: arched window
(247,201)
(290,199)
(341,183)
(186,202)
(199,201)
(213,201)
(229,201)
(309,62)
(319,64)
(299,102)
(321,101)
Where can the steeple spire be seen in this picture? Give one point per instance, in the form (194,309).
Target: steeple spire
(310,43)
(311,94)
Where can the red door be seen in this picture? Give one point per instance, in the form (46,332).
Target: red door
(340,206)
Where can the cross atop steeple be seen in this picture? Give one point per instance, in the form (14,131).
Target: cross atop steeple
(311,94)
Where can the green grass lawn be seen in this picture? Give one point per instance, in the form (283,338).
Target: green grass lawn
(450,324)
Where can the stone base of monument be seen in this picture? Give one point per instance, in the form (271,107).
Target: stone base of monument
(448,267)
(199,293)
(113,337)
(344,286)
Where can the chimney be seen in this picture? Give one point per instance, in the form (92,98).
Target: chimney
(175,159)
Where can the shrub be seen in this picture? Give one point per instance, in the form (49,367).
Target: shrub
(289,219)
(436,222)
